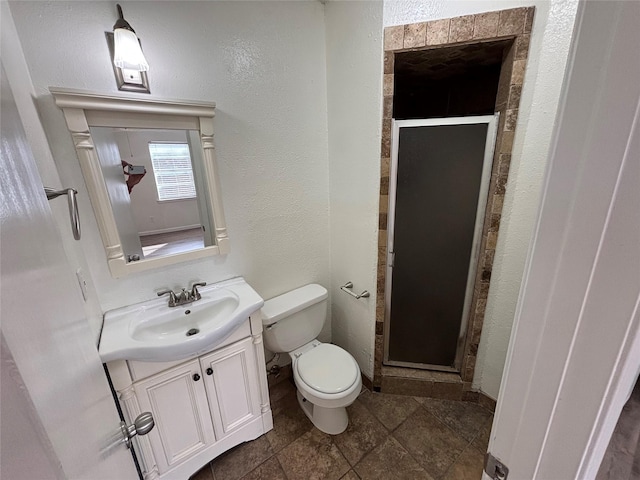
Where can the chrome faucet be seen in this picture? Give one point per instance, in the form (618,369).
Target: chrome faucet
(184,296)
(172,297)
(195,294)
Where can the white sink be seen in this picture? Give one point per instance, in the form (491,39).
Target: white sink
(153,332)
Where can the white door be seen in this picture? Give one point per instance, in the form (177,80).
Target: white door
(202,194)
(575,346)
(59,400)
(111,165)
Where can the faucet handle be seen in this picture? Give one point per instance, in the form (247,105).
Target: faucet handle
(195,294)
(172,296)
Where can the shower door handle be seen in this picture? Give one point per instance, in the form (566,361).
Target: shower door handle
(392,259)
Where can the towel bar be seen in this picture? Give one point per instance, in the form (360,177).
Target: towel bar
(73,206)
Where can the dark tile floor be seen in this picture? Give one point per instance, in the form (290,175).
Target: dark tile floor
(622,459)
(389,437)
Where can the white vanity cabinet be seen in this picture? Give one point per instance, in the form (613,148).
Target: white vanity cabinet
(233,393)
(202,406)
(180,409)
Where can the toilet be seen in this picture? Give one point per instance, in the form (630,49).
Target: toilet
(326,376)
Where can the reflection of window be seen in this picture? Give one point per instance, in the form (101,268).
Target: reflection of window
(172,170)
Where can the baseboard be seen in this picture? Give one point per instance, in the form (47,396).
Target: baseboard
(169,230)
(366,382)
(487,402)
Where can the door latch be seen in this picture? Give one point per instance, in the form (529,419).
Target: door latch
(495,468)
(142,425)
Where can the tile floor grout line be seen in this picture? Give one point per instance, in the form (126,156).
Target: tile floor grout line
(444,475)
(490,419)
(390,430)
(456,433)
(375,416)
(281,467)
(448,428)
(396,411)
(262,463)
(451,429)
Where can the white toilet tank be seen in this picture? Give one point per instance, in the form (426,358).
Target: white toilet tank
(294,318)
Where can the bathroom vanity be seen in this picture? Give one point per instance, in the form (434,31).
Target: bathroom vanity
(203,404)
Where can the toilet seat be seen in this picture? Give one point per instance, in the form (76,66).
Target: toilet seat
(327,369)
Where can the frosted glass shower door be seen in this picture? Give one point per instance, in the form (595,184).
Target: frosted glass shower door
(440,174)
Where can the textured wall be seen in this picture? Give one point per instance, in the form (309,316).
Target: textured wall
(263,63)
(354,90)
(550,39)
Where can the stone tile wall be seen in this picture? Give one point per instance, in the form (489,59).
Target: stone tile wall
(514,24)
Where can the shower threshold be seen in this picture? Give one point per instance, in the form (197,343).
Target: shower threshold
(421,366)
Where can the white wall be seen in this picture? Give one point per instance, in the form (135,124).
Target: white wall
(354,77)
(550,39)
(149,214)
(19,78)
(263,63)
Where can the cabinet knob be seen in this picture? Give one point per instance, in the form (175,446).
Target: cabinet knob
(196,377)
(209,371)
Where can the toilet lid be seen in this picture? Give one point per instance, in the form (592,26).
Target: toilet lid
(327,368)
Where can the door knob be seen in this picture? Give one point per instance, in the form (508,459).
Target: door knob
(142,425)
(196,377)
(209,371)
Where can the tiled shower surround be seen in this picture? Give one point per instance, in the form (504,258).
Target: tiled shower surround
(513,26)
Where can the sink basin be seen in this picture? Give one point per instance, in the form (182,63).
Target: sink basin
(153,332)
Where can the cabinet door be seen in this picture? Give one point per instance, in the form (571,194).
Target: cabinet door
(231,379)
(178,401)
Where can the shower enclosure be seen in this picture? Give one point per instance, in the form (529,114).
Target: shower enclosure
(440,175)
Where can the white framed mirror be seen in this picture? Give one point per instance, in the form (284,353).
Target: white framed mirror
(150,169)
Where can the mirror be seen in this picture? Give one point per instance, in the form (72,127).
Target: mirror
(150,170)
(154,180)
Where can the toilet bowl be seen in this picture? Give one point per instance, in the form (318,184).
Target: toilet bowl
(327,377)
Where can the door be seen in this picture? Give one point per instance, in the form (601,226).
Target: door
(232,385)
(440,174)
(202,194)
(574,354)
(178,401)
(111,165)
(50,364)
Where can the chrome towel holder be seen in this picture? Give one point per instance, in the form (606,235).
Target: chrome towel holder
(73,206)
(347,289)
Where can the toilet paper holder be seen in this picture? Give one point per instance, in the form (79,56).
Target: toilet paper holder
(347,288)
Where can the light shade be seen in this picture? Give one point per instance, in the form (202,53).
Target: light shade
(127,51)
